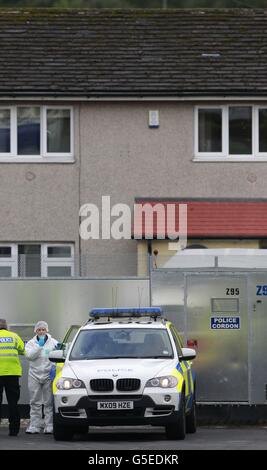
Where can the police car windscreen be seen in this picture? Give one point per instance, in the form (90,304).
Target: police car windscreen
(122,343)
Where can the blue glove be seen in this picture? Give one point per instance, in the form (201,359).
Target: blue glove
(52,373)
(41,341)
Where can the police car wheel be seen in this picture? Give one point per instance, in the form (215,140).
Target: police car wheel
(191,420)
(177,430)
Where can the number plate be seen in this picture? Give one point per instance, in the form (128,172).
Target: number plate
(115,405)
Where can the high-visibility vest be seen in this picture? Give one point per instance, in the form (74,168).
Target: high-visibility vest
(11,345)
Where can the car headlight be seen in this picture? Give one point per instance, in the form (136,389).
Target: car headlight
(167,381)
(64,383)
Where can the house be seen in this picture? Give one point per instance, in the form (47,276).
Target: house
(137,105)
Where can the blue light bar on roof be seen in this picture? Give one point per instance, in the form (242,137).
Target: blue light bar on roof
(126,312)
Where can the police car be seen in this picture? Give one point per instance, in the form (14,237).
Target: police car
(125,367)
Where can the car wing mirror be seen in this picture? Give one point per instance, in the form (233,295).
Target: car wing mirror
(56,356)
(188,354)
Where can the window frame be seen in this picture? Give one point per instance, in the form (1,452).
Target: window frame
(196,134)
(47,262)
(257,140)
(19,156)
(44,156)
(13,137)
(13,260)
(10,261)
(63,264)
(44,110)
(225,156)
(22,260)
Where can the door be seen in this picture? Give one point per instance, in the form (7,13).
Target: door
(258,334)
(217,327)
(69,337)
(67,340)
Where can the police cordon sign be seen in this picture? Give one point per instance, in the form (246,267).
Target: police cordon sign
(225,323)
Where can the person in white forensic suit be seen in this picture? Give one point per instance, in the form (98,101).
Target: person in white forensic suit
(39,383)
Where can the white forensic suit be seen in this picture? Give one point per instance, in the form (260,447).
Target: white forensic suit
(39,383)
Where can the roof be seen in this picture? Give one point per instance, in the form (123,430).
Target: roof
(133,52)
(208,218)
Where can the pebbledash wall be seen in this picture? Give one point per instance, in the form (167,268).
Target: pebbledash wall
(40,201)
(116,154)
(124,158)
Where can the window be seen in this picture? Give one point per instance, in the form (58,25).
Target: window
(57,260)
(210,130)
(59,271)
(58,131)
(231,132)
(37,260)
(29,260)
(141,343)
(240,130)
(58,251)
(8,261)
(263,130)
(29,132)
(5,130)
(5,271)
(5,251)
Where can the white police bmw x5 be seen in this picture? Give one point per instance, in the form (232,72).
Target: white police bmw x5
(125,367)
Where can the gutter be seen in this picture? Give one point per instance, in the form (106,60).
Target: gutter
(81,98)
